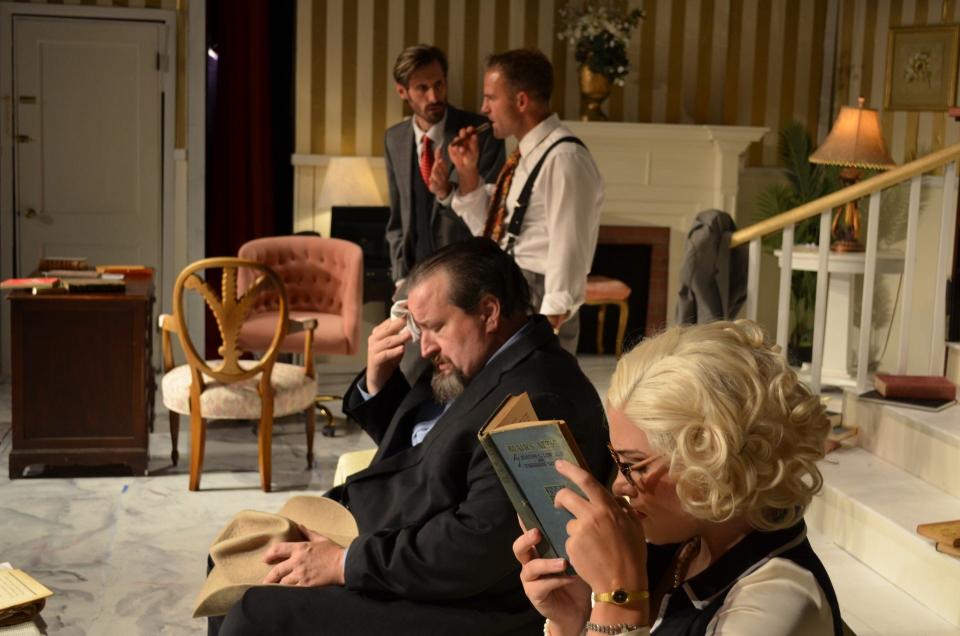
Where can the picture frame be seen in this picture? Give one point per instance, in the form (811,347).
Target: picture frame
(921,69)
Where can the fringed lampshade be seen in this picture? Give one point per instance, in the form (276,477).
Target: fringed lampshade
(855,142)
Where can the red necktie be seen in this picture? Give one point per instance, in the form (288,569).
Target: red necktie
(497,212)
(426,161)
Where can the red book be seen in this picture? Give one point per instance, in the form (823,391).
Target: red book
(924,387)
(30,283)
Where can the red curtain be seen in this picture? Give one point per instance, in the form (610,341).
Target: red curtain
(240,171)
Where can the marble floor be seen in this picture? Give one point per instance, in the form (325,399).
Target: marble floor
(126,555)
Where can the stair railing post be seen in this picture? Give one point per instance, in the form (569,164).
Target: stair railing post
(820,304)
(909,266)
(753,278)
(783,304)
(944,259)
(869,279)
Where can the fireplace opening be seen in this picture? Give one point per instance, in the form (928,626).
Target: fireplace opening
(630,264)
(638,256)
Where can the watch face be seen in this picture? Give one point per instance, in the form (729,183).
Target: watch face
(620,596)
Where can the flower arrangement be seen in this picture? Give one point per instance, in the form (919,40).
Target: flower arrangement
(599,31)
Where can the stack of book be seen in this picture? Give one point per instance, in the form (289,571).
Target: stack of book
(124,271)
(62,262)
(945,533)
(926,392)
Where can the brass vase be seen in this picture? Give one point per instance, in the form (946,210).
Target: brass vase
(594,89)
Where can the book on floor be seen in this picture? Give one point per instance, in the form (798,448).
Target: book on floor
(910,403)
(523,449)
(21,596)
(945,532)
(948,549)
(839,434)
(924,387)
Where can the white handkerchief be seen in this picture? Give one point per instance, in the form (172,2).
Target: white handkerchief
(399,310)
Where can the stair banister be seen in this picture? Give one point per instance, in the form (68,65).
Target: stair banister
(823,206)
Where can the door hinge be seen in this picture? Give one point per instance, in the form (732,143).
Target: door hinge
(163,62)
(22,139)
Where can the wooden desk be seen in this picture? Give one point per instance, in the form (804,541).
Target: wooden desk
(82,381)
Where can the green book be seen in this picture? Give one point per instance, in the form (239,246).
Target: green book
(523,449)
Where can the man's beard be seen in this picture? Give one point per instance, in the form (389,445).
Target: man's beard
(447,386)
(433,114)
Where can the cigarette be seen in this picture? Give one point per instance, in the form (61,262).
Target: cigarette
(479,129)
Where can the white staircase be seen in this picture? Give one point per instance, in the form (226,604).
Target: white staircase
(902,470)
(904,467)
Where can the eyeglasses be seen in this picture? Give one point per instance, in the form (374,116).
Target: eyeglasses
(627,470)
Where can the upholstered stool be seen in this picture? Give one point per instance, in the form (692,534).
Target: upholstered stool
(603,291)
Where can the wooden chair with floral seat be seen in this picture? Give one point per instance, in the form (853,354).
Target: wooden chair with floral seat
(231,388)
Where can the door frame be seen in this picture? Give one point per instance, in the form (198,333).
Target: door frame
(165,17)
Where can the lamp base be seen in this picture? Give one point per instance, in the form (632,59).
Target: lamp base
(846,246)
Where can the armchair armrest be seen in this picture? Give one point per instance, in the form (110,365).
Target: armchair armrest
(308,325)
(167,324)
(304,324)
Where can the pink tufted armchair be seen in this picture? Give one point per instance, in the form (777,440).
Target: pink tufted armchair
(324,281)
(323,278)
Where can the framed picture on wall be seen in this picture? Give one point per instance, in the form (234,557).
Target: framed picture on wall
(922,67)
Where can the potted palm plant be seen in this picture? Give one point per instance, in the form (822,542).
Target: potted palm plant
(805,182)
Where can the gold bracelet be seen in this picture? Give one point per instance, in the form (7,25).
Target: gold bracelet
(621,597)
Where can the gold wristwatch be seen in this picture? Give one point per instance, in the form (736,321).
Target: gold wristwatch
(621,597)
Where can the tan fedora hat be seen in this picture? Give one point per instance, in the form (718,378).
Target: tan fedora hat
(237,552)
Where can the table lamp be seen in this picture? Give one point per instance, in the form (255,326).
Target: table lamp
(855,142)
(348,181)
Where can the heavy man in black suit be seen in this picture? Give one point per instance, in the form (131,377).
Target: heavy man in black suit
(434,550)
(420,220)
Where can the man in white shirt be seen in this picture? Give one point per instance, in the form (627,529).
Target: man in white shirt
(558,234)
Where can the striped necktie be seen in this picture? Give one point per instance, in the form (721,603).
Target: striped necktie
(426,161)
(497,212)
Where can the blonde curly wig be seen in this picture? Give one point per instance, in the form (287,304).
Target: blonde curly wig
(741,433)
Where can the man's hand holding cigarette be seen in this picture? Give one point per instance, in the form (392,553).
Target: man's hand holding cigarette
(464,154)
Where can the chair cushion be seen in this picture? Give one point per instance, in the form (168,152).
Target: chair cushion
(600,288)
(293,391)
(352,462)
(257,332)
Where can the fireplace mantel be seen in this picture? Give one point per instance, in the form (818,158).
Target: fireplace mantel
(662,175)
(657,175)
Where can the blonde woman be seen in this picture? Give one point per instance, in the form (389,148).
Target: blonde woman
(716,443)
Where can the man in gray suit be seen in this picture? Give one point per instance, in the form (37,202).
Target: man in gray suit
(420,220)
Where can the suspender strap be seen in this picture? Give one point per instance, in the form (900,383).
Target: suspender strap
(520,210)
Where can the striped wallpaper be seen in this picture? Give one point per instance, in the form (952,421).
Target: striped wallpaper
(692,61)
(861,67)
(732,62)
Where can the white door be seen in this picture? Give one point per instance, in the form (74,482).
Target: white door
(88,156)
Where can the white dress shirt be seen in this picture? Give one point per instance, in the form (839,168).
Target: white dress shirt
(559,234)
